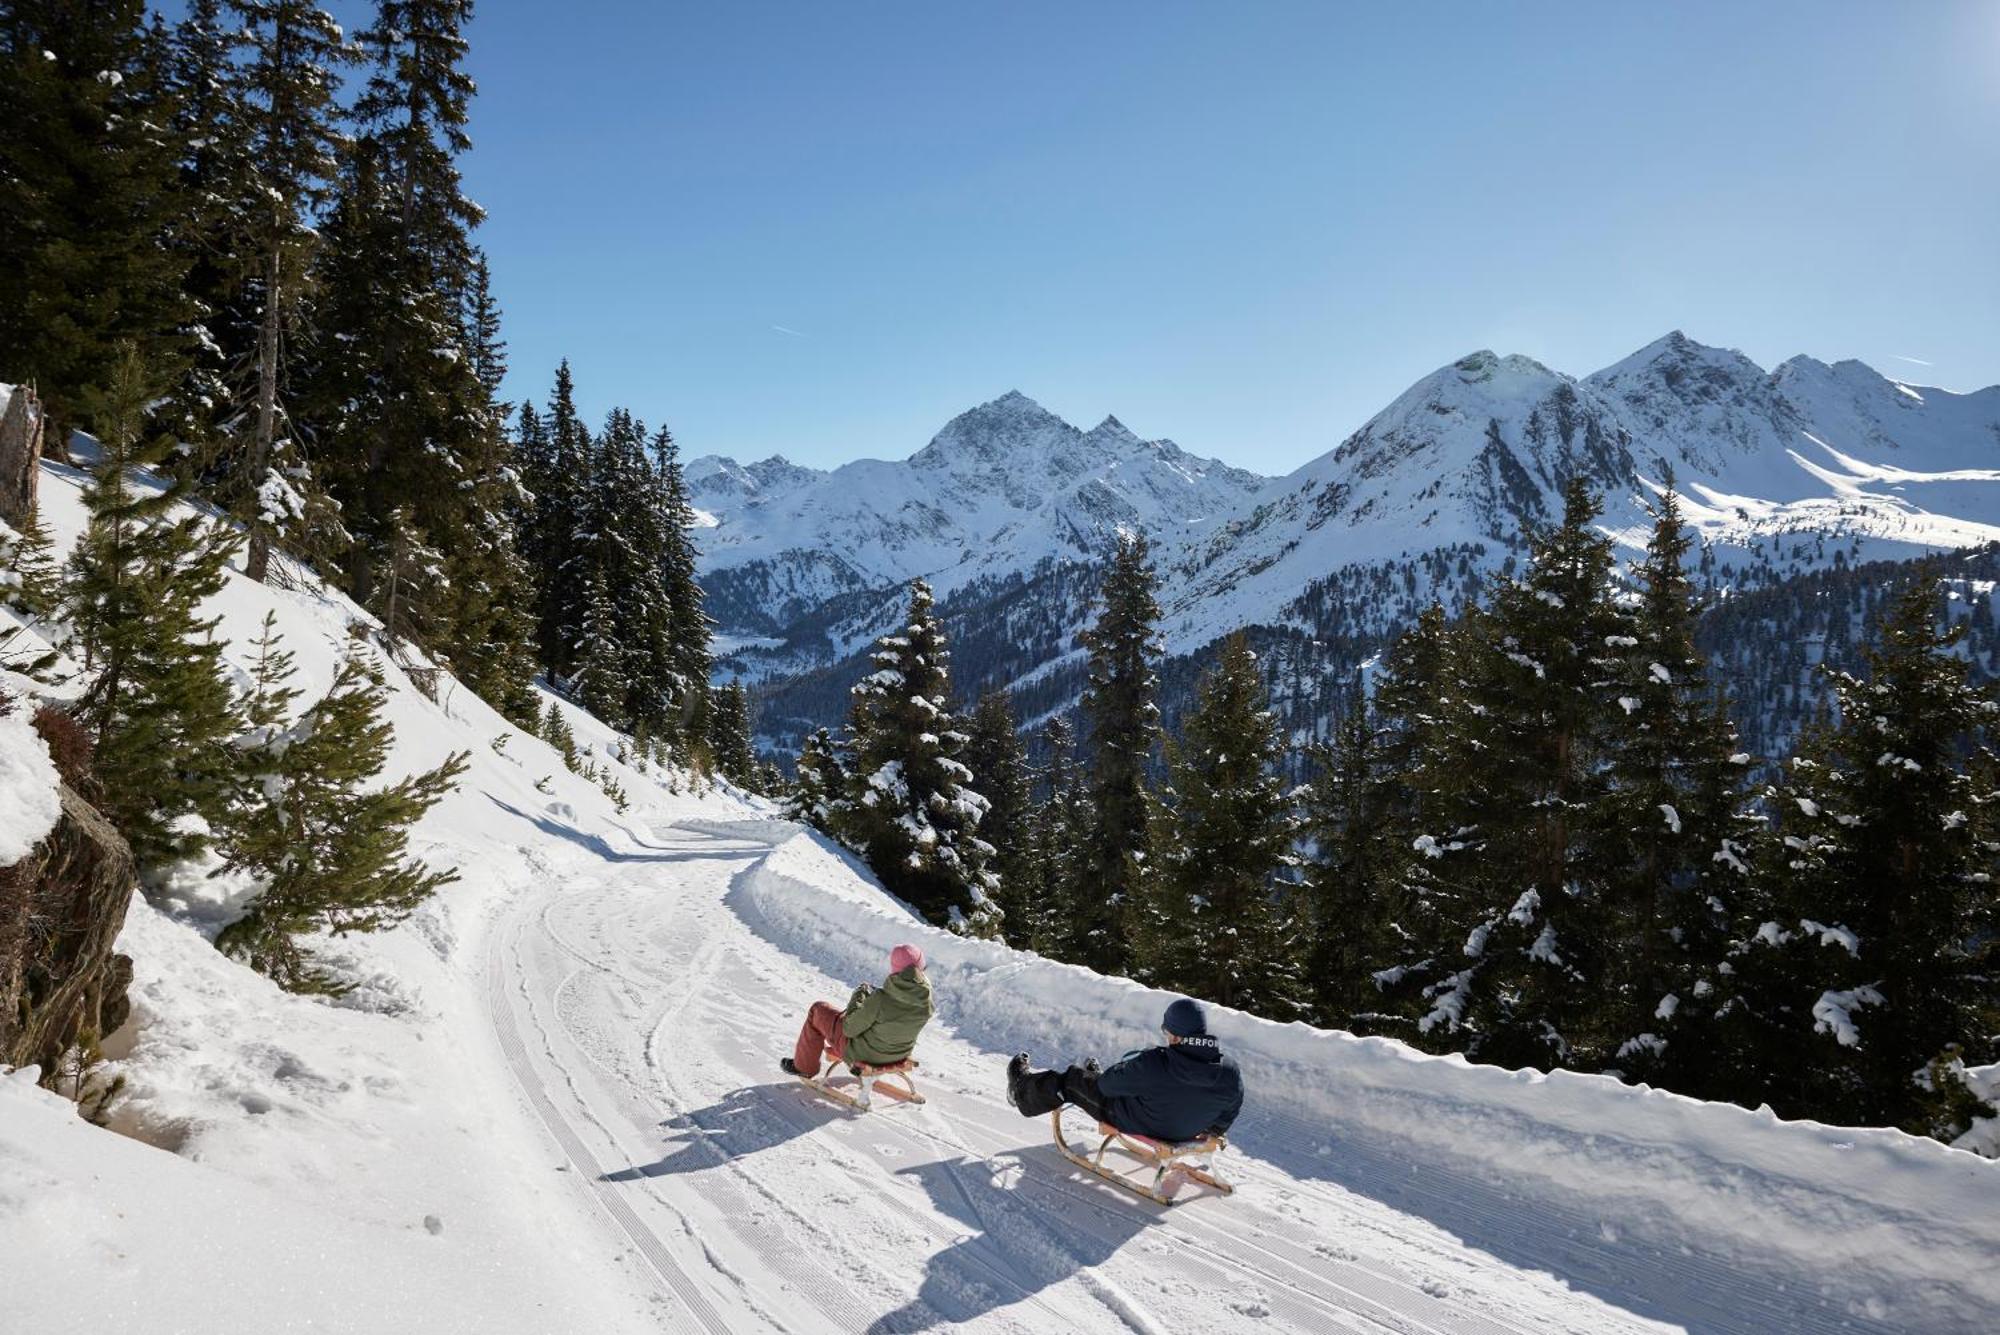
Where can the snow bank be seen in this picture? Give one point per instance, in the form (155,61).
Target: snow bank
(1907,1227)
(29,802)
(108,1234)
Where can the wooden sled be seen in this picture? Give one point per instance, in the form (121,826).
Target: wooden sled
(1192,1160)
(861,1094)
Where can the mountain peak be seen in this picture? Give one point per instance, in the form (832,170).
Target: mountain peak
(1112,430)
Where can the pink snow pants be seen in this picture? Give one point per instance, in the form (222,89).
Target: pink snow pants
(823,1030)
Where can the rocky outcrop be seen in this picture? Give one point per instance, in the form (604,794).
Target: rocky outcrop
(61,909)
(20,455)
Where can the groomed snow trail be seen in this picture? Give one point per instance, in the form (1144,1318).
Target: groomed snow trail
(644,1018)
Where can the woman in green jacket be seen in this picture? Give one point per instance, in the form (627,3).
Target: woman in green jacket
(879,1026)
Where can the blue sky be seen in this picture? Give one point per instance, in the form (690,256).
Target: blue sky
(823,229)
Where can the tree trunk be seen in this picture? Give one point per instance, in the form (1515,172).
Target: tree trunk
(20,455)
(258,563)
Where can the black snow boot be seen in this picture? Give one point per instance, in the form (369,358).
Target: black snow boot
(789,1067)
(1017,1071)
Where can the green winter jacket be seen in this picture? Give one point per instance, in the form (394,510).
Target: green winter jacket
(882,1023)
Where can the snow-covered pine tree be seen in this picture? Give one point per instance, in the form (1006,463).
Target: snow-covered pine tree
(309,819)
(1217,914)
(402,409)
(1880,955)
(1530,926)
(1425,782)
(689,627)
(915,813)
(89,206)
(285,88)
(1679,823)
(555,730)
(1000,765)
(483,341)
(1060,830)
(30,578)
(729,736)
(404,587)
(1121,706)
(1350,909)
(559,463)
(820,785)
(212,130)
(599,684)
(31,585)
(157,701)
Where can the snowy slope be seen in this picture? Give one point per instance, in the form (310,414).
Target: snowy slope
(323,1138)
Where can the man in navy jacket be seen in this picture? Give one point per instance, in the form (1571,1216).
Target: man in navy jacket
(1179,1091)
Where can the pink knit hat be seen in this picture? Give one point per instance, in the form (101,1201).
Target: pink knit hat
(902,957)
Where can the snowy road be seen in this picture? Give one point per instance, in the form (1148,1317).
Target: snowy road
(644,1019)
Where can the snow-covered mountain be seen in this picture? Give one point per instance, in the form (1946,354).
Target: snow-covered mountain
(1002,487)
(1780,471)
(1475,455)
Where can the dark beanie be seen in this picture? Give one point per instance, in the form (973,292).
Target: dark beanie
(1186,1019)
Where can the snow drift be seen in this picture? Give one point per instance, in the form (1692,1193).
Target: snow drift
(1905,1228)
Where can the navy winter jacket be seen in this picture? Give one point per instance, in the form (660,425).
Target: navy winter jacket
(1173,1093)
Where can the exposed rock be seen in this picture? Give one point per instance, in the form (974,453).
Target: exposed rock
(61,909)
(20,455)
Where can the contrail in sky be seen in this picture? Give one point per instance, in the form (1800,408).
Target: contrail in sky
(796,334)
(1914,361)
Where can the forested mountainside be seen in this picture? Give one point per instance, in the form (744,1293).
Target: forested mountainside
(1804,468)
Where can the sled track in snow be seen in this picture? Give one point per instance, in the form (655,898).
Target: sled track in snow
(642,1013)
(692,1299)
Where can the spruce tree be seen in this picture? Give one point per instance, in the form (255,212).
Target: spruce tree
(688,625)
(1121,706)
(558,460)
(1350,919)
(90,207)
(819,789)
(1219,916)
(211,128)
(1426,779)
(31,586)
(30,579)
(599,684)
(1880,956)
(1526,921)
(308,819)
(915,813)
(157,700)
(286,88)
(1000,765)
(1051,902)
(405,407)
(1679,816)
(729,737)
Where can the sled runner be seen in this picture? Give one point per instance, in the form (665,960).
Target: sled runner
(861,1093)
(1193,1160)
